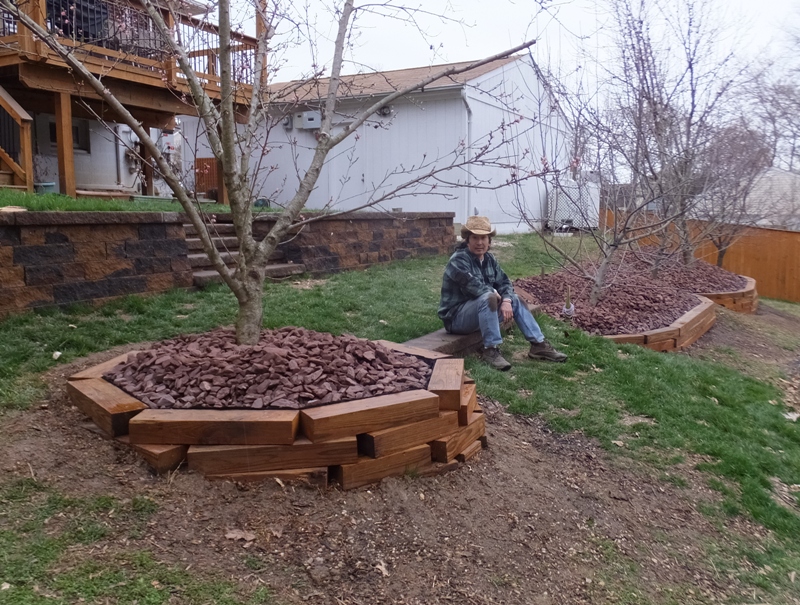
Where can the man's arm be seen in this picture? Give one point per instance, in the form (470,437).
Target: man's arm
(502,283)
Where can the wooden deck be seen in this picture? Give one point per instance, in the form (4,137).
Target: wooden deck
(118,41)
(126,48)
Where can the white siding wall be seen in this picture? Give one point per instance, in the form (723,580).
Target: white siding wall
(535,132)
(95,169)
(421,134)
(422,131)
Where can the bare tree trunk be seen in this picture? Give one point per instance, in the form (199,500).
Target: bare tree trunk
(251,308)
(720,256)
(684,237)
(600,278)
(656,267)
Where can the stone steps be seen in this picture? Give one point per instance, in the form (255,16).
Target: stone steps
(201,260)
(275,271)
(224,244)
(216,229)
(203,271)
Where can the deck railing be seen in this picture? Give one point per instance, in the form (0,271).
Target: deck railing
(8,25)
(124,33)
(16,145)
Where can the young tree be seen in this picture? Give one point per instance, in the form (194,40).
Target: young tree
(730,167)
(234,126)
(647,120)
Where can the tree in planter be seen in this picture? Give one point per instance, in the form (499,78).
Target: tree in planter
(647,126)
(237,147)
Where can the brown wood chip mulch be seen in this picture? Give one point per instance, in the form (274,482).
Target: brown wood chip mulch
(290,368)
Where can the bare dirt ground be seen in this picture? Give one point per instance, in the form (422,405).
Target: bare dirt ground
(538,518)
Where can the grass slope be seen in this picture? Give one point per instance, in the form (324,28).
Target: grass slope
(661,409)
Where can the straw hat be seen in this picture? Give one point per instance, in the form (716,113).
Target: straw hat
(479,225)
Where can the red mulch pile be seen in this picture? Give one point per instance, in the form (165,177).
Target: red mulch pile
(632,302)
(701,277)
(290,368)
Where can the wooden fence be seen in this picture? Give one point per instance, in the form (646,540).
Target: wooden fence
(770,256)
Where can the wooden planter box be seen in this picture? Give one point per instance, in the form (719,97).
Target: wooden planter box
(353,443)
(742,301)
(681,333)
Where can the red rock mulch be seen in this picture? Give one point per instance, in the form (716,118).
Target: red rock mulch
(633,302)
(701,277)
(290,368)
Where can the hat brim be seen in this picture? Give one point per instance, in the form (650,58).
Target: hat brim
(465,232)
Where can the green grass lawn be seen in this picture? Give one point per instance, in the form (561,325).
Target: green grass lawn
(662,410)
(56,202)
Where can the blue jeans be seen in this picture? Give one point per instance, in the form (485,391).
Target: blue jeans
(476,315)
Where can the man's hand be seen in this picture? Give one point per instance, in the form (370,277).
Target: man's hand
(507,310)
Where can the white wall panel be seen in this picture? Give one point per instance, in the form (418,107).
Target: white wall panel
(430,129)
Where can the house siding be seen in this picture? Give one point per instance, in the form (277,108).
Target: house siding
(426,129)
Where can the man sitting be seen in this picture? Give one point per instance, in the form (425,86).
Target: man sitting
(477,294)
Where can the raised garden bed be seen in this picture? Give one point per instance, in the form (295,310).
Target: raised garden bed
(743,300)
(680,334)
(661,314)
(425,430)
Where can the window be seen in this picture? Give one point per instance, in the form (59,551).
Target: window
(80,135)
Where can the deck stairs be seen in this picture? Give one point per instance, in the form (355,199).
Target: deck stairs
(224,238)
(7,179)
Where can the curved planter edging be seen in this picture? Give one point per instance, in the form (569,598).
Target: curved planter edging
(681,333)
(353,443)
(742,301)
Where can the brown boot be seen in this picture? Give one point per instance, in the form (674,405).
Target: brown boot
(493,358)
(544,350)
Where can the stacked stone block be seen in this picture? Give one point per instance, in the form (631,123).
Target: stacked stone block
(359,240)
(59,258)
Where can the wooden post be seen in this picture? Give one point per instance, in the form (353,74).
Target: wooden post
(222,192)
(169,63)
(66,155)
(147,167)
(35,9)
(26,153)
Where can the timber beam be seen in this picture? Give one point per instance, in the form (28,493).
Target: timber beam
(64,142)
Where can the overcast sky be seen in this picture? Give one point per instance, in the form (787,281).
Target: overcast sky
(490,26)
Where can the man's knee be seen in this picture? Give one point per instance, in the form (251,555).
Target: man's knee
(488,300)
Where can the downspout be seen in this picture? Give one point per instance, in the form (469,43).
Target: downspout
(117,143)
(468,201)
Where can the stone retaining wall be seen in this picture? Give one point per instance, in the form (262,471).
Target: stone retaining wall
(362,239)
(58,258)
